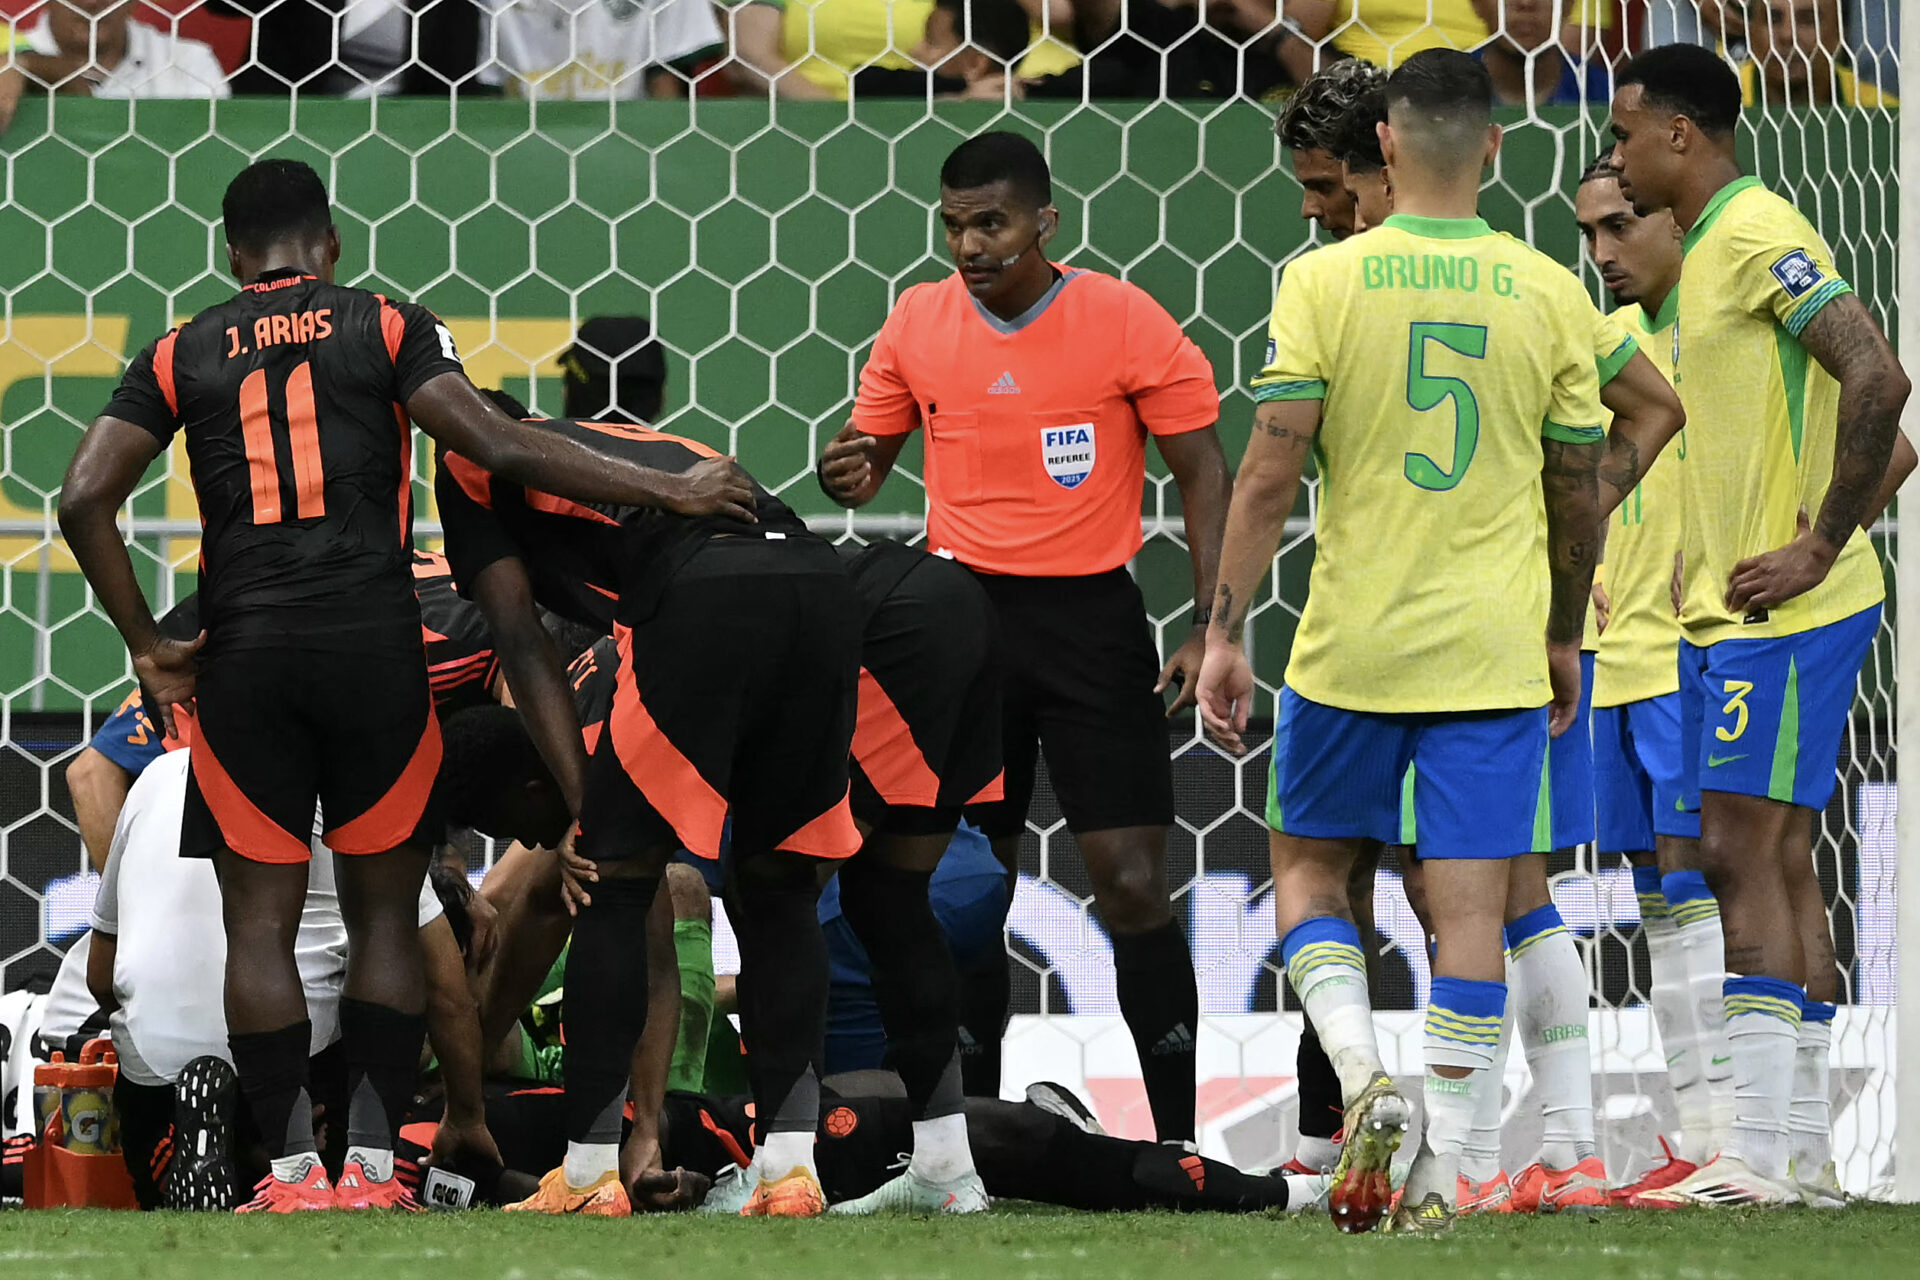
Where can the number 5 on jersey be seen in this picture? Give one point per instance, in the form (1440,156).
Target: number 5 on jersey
(1428,391)
(264,473)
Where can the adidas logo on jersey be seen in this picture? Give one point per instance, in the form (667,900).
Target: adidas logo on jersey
(1178,1040)
(1004,385)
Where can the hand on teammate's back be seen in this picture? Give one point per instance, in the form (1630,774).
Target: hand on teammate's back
(846,467)
(715,487)
(167,672)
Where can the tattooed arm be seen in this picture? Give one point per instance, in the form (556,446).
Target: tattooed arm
(1646,415)
(1572,490)
(1873,389)
(1263,494)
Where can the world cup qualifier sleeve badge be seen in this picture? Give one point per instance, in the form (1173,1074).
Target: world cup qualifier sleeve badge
(1068,453)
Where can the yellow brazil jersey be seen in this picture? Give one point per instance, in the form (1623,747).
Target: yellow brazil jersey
(1761,413)
(1388,32)
(1613,346)
(1444,351)
(1849,90)
(831,39)
(1637,653)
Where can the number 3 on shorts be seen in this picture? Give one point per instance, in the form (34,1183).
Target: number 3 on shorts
(1428,391)
(1736,691)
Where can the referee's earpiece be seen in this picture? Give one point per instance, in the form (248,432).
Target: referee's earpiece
(1047,228)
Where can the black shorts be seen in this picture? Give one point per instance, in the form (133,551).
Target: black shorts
(276,730)
(1078,660)
(928,738)
(734,699)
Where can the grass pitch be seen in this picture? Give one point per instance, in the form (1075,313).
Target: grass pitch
(1871,1242)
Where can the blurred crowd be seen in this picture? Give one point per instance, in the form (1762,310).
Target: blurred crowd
(1543,52)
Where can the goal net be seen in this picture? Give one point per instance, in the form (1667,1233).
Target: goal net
(765,242)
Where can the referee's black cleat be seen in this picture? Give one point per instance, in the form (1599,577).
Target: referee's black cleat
(1057,1099)
(201,1176)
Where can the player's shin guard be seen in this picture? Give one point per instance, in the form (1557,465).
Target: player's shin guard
(1329,974)
(1480,1157)
(1763,1024)
(606,985)
(1550,995)
(1463,1032)
(914,982)
(382,1048)
(1696,915)
(1809,1118)
(272,1066)
(693,952)
(1160,1001)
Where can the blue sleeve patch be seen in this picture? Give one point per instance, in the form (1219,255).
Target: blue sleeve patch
(1796,273)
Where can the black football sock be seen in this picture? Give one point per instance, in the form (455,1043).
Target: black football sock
(1161,1004)
(986,996)
(382,1048)
(783,993)
(1170,1179)
(606,985)
(272,1066)
(1320,1102)
(914,982)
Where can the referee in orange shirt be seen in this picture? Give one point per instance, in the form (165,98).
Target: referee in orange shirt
(1038,386)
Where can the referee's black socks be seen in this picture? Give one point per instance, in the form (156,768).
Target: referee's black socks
(606,983)
(1161,1004)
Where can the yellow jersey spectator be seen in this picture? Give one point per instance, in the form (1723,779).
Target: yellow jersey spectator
(1792,59)
(1383,32)
(809,48)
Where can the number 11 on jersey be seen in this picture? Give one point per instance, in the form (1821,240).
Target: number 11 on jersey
(303,433)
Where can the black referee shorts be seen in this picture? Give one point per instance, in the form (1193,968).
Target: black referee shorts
(928,738)
(1078,663)
(734,698)
(277,729)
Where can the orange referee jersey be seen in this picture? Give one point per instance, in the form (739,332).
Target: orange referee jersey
(1037,426)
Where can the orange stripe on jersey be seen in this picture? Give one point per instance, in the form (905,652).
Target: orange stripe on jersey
(590,735)
(665,777)
(391,820)
(256,431)
(303,430)
(647,435)
(884,748)
(392,328)
(471,477)
(831,835)
(430,564)
(163,372)
(247,831)
(725,1138)
(554,504)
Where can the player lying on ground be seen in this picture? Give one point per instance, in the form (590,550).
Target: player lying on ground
(309,682)
(1793,399)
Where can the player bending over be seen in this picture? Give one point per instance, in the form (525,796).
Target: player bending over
(1793,400)
(739,648)
(1457,648)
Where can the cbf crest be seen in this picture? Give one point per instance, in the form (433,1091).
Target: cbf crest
(1068,453)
